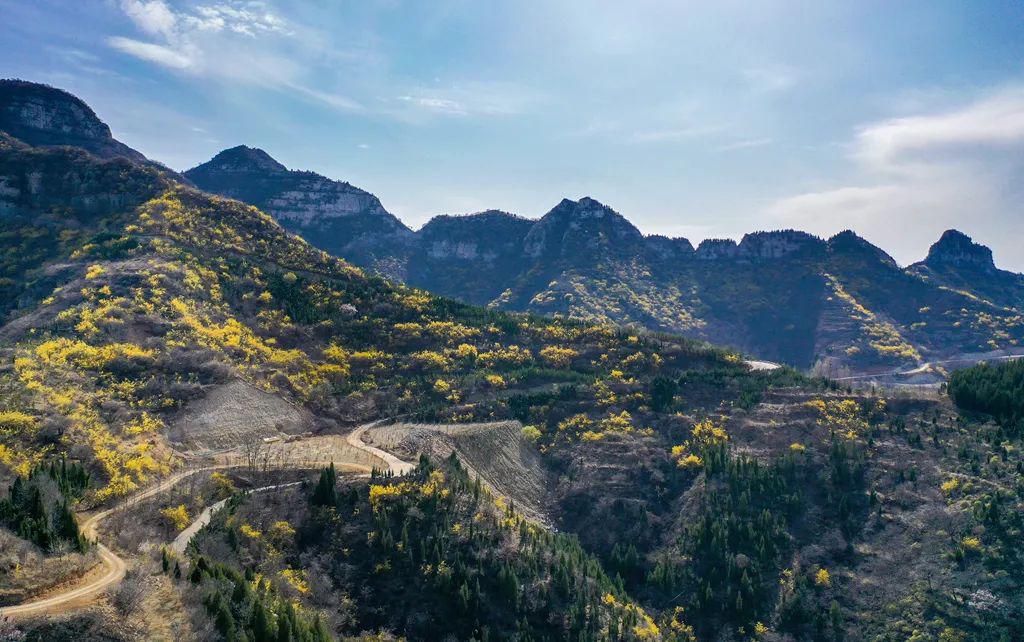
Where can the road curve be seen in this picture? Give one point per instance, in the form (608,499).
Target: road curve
(396,466)
(115,567)
(180,542)
(924,367)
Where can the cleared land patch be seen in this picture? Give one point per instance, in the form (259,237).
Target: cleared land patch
(496,452)
(234,412)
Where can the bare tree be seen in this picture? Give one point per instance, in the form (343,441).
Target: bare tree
(127,598)
(9,632)
(252,446)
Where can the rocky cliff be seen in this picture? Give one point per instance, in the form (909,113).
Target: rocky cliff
(42,116)
(332,215)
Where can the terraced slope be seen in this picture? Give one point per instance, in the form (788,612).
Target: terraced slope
(506,461)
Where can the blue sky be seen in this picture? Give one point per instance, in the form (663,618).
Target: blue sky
(696,119)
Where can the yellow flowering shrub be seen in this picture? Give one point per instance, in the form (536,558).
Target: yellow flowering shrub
(250,532)
(176,516)
(296,579)
(557,356)
(709,432)
(844,416)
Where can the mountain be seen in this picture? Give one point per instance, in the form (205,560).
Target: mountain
(43,116)
(841,303)
(332,215)
(957,262)
(680,496)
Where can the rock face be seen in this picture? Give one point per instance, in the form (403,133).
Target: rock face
(776,245)
(759,246)
(487,236)
(848,244)
(956,262)
(42,116)
(957,249)
(574,228)
(712,249)
(668,249)
(332,215)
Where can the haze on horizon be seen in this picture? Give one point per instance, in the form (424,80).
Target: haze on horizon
(691,119)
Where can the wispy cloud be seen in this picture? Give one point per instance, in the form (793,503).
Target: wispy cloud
(249,20)
(745,144)
(770,78)
(919,175)
(151,52)
(675,134)
(994,121)
(465,98)
(153,16)
(228,41)
(438,105)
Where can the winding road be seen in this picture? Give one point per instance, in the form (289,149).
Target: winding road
(115,568)
(181,542)
(396,466)
(927,365)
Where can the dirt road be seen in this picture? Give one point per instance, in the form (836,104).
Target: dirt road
(396,466)
(961,361)
(114,568)
(180,542)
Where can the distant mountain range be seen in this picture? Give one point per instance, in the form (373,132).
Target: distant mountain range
(784,295)
(788,296)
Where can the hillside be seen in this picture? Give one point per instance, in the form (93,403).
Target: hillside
(334,216)
(690,497)
(840,303)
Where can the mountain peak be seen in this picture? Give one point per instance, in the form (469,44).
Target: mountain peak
(244,159)
(44,116)
(574,229)
(848,243)
(956,248)
(777,244)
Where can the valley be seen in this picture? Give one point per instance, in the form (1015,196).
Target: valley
(246,403)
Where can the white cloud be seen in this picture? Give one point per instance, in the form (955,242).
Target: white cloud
(154,17)
(674,134)
(994,121)
(339,101)
(227,41)
(439,105)
(249,19)
(466,98)
(918,176)
(150,52)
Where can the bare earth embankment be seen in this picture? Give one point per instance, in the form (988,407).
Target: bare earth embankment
(496,452)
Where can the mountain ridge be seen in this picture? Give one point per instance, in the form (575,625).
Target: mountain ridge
(584,259)
(40,115)
(840,303)
(694,498)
